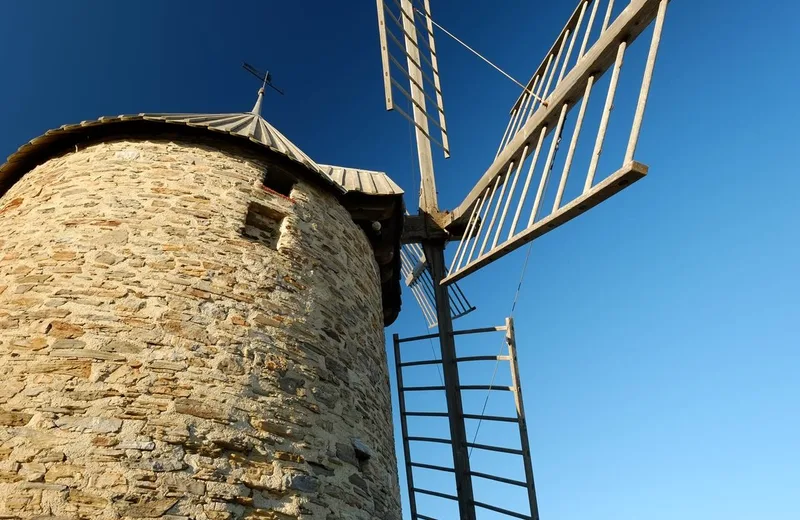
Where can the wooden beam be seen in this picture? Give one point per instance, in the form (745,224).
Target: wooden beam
(427,201)
(615,183)
(434,252)
(646,81)
(627,27)
(418,228)
(387,86)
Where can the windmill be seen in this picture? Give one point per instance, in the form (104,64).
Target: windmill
(506,208)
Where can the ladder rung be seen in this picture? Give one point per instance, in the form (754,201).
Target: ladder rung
(431,466)
(421,388)
(435,494)
(513,451)
(423,517)
(418,338)
(498,479)
(426,414)
(456,332)
(417,363)
(487,387)
(490,418)
(501,510)
(483,358)
(479,331)
(429,439)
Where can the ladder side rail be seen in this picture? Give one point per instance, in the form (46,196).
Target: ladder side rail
(412,503)
(523,427)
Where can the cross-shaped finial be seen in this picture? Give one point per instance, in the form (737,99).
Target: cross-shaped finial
(266,80)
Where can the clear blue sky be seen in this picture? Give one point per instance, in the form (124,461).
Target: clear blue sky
(658,334)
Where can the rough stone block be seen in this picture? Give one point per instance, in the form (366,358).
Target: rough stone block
(14,418)
(90,424)
(152,509)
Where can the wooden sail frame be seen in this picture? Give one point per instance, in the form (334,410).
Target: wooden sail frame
(523,139)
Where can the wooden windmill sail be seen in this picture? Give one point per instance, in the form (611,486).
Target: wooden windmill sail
(506,208)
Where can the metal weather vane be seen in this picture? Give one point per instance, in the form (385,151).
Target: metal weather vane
(265,77)
(266,81)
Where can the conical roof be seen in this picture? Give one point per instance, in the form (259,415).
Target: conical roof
(370,196)
(247,125)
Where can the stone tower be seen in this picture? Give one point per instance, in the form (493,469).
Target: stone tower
(191,325)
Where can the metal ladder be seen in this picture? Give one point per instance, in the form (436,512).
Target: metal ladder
(452,415)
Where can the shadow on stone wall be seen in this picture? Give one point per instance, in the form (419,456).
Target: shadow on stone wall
(263,224)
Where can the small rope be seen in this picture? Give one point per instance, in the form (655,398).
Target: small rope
(513,306)
(497,363)
(476,53)
(438,367)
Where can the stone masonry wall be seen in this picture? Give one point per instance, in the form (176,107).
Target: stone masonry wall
(177,342)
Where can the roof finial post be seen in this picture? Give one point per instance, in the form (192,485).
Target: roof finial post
(257,107)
